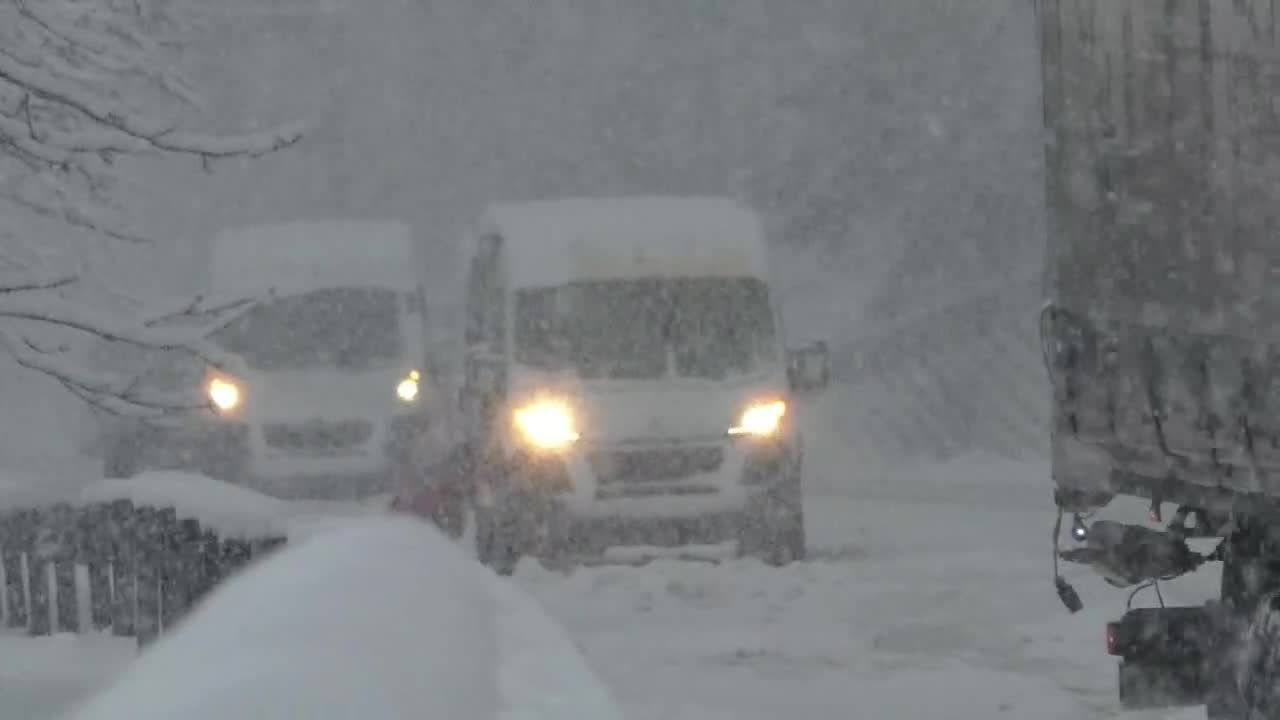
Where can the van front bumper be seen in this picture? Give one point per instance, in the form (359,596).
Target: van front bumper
(704,486)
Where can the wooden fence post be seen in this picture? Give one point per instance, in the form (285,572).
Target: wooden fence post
(210,563)
(63,527)
(38,559)
(123,568)
(147,557)
(97,548)
(11,548)
(187,580)
(170,567)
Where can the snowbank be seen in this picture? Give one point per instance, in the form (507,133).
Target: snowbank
(542,676)
(233,512)
(379,620)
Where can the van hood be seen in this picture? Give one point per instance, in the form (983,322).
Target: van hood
(327,394)
(656,411)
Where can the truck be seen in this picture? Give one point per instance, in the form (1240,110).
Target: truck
(1161,330)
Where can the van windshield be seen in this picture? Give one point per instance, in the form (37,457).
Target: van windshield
(345,328)
(709,328)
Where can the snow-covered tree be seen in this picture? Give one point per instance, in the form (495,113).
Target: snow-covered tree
(84,84)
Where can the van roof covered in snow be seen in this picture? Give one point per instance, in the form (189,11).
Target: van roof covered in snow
(306,255)
(554,242)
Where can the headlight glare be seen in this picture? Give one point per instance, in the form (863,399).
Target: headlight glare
(761,419)
(407,389)
(547,424)
(224,394)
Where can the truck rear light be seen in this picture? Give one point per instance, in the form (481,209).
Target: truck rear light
(1161,636)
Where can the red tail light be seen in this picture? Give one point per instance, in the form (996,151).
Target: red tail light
(1112,646)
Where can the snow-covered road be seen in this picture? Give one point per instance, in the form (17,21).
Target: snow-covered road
(930,597)
(920,605)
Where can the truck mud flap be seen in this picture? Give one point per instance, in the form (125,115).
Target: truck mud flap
(1150,686)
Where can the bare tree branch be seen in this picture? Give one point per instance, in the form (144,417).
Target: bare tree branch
(115,398)
(38,285)
(81,84)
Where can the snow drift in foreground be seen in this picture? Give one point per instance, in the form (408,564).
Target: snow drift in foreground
(382,619)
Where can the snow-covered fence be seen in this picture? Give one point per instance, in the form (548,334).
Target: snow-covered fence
(131,567)
(377,617)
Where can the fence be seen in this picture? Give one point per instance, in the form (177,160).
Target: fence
(131,570)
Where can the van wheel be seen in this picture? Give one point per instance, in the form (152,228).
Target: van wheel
(774,531)
(497,542)
(556,549)
(450,514)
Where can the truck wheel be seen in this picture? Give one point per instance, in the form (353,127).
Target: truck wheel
(1223,699)
(1242,686)
(497,542)
(1259,660)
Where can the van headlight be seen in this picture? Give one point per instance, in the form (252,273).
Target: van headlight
(760,419)
(407,389)
(547,424)
(224,393)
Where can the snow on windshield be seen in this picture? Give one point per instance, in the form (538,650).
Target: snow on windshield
(694,328)
(344,328)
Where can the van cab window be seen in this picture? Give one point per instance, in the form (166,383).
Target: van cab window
(355,328)
(709,328)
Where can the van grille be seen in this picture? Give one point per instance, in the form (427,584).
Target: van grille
(655,465)
(318,435)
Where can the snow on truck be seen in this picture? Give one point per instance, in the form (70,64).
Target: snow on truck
(1162,329)
(333,401)
(625,381)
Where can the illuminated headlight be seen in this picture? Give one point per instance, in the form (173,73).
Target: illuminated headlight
(407,389)
(762,419)
(547,424)
(224,394)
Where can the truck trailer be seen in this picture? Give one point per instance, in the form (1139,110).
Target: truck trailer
(1161,329)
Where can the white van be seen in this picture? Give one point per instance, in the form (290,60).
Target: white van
(331,399)
(625,380)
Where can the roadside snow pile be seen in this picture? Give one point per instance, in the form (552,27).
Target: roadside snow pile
(233,512)
(542,674)
(381,620)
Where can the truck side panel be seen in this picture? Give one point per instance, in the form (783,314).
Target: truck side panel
(1163,263)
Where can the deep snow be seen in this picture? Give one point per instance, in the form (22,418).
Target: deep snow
(441,634)
(239,656)
(930,596)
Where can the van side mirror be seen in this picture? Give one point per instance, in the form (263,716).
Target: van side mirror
(809,368)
